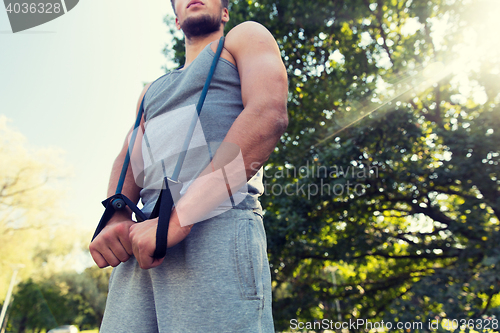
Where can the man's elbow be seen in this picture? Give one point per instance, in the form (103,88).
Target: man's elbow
(281,121)
(280,104)
(273,116)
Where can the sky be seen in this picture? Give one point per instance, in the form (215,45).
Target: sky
(72,84)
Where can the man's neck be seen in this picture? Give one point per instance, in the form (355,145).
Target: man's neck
(196,44)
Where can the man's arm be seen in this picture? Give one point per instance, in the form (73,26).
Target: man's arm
(255,131)
(113,245)
(264,90)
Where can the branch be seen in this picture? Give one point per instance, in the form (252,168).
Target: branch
(384,305)
(452,192)
(435,232)
(434,215)
(32,227)
(428,39)
(397,236)
(408,256)
(437,111)
(379,16)
(384,255)
(24,190)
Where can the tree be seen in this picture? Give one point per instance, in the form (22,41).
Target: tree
(30,218)
(34,233)
(23,206)
(89,290)
(392,214)
(64,298)
(30,309)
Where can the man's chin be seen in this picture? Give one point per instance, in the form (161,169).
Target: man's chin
(201,25)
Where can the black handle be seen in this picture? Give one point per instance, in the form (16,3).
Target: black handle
(163,210)
(114,203)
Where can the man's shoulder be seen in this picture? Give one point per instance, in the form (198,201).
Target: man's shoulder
(248,28)
(246,35)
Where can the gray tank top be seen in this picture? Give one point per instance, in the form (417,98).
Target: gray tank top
(169,107)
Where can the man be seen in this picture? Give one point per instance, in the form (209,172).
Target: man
(215,276)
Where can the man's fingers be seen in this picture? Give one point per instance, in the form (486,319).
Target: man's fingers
(120,253)
(127,246)
(156,262)
(141,252)
(112,248)
(98,259)
(112,245)
(146,261)
(143,239)
(123,232)
(110,257)
(104,257)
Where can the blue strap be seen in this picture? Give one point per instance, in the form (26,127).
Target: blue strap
(126,162)
(165,199)
(189,135)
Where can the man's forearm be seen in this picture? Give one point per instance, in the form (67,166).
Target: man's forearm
(255,142)
(130,188)
(256,133)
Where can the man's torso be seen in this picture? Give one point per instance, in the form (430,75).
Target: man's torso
(170,104)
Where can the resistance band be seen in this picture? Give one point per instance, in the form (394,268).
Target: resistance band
(165,201)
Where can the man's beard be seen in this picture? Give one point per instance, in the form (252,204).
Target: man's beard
(201,25)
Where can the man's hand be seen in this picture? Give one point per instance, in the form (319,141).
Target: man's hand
(143,238)
(112,245)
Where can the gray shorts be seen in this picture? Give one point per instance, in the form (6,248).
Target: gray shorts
(216,280)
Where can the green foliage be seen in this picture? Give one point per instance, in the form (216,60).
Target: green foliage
(30,216)
(34,235)
(414,233)
(65,298)
(30,309)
